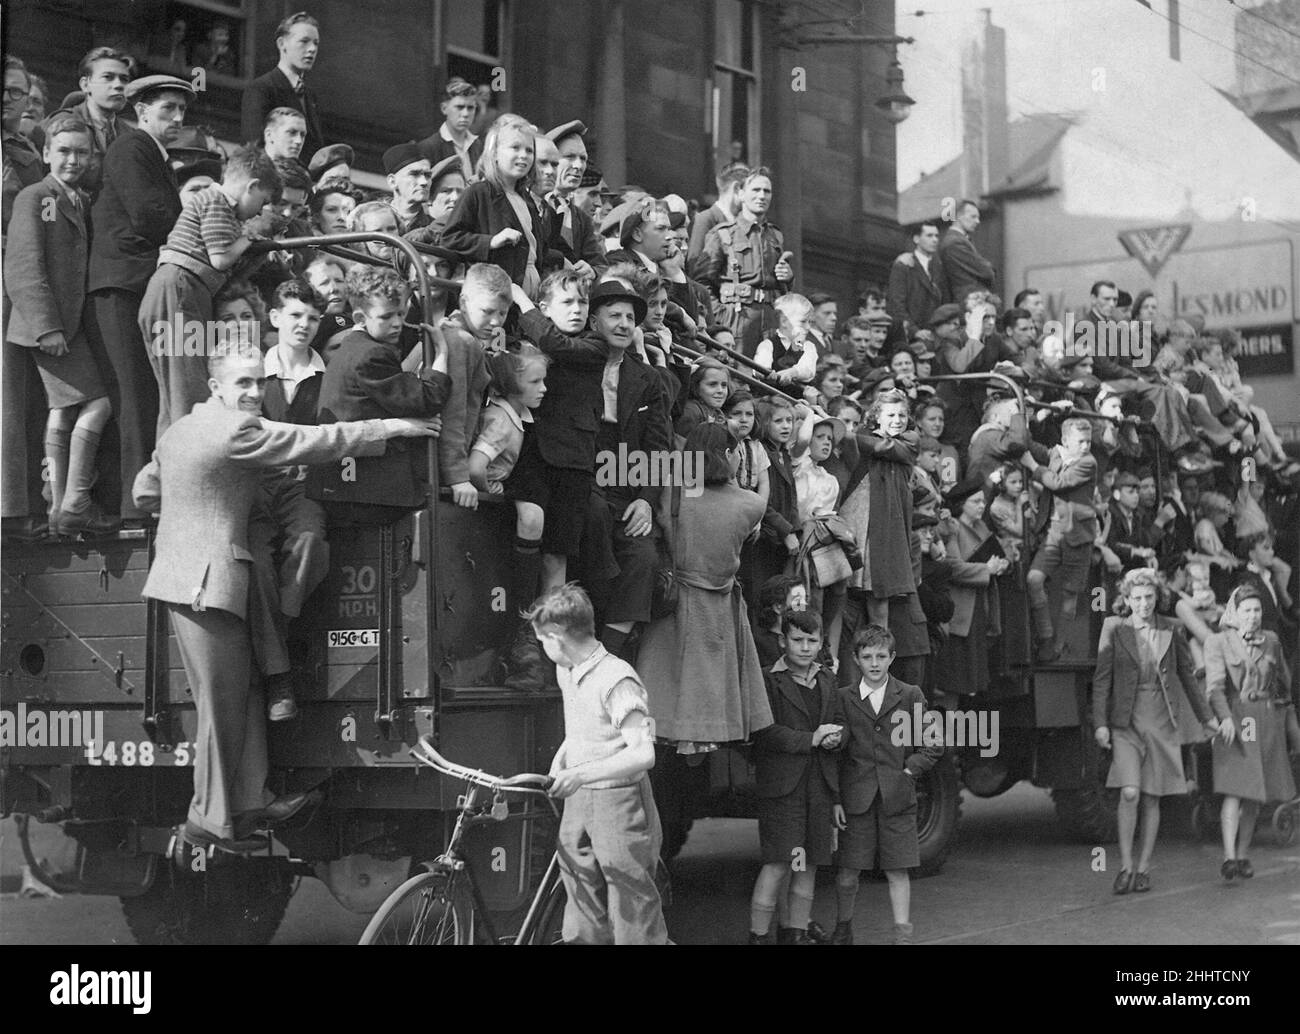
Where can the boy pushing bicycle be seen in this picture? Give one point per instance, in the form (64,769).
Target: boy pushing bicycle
(610,834)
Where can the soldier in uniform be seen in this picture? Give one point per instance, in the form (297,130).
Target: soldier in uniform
(745,266)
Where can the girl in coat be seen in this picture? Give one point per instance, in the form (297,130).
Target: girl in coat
(495,220)
(700,664)
(1136,697)
(1249,685)
(878,505)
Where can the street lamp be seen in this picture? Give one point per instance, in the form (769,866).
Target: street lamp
(895,105)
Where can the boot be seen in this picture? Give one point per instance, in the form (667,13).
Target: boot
(816,934)
(762,938)
(280,703)
(902,933)
(843,933)
(528,669)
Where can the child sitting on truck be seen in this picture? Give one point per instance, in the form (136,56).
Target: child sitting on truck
(610,834)
(365,380)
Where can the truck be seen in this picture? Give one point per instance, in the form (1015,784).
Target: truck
(401,640)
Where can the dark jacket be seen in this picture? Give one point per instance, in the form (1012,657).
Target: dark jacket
(567,420)
(1126,536)
(435,148)
(870,761)
(782,515)
(643,422)
(913,294)
(480,214)
(1119,670)
(783,751)
(271,91)
(364,380)
(137,207)
(965,269)
(587,245)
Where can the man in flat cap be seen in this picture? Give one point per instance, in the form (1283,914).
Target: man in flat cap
(408,178)
(459,109)
(726,208)
(297,38)
(136,209)
(575,236)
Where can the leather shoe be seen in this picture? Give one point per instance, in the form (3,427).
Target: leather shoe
(1123,882)
(1141,882)
(843,933)
(282,809)
(1244,869)
(762,938)
(903,933)
(88,522)
(25,529)
(1228,870)
(199,837)
(816,934)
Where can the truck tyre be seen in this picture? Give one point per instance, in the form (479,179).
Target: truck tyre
(938,811)
(1086,813)
(237,902)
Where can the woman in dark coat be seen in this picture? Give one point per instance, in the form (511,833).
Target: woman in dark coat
(1248,682)
(699,664)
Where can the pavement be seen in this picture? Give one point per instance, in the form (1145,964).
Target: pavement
(1012,879)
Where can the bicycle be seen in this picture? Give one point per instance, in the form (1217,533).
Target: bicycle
(443,904)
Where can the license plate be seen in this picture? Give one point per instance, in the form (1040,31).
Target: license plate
(343,637)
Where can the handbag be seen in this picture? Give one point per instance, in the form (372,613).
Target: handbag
(667,589)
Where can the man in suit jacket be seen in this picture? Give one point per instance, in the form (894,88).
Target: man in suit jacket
(886,749)
(105,73)
(453,138)
(633,422)
(725,209)
(964,267)
(203,479)
(137,207)
(918,283)
(574,237)
(297,38)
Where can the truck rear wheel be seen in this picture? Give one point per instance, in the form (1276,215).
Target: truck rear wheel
(938,811)
(236,902)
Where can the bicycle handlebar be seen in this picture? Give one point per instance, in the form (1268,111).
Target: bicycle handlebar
(427,753)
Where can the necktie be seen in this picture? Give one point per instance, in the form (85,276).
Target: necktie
(565,211)
(110,133)
(300,87)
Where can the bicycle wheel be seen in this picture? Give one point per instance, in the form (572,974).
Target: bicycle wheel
(429,908)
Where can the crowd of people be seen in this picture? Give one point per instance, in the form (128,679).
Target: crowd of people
(856,517)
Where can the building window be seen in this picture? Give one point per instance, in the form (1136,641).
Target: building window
(476,52)
(735,82)
(207,34)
